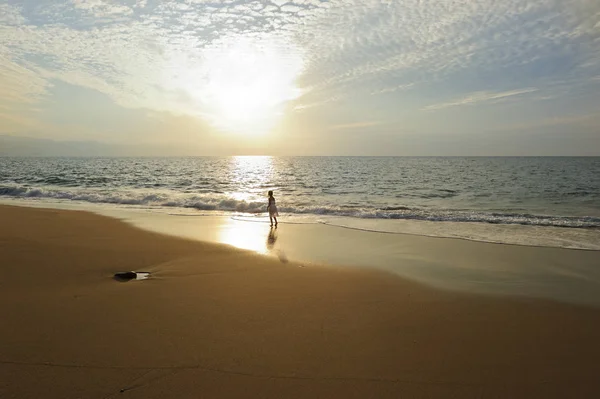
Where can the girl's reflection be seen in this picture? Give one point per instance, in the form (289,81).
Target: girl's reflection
(272,237)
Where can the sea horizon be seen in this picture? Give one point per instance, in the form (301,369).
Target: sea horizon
(299,156)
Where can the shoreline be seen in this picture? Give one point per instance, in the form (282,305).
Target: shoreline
(220,322)
(543,236)
(561,274)
(413,234)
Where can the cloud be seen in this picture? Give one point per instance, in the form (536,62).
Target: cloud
(11,15)
(434,40)
(354,125)
(21,85)
(102,8)
(393,89)
(156,54)
(479,97)
(348,41)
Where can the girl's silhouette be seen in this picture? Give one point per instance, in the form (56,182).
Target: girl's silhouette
(272,209)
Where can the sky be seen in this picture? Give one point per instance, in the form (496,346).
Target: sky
(300,77)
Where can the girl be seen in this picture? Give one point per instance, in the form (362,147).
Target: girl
(272,208)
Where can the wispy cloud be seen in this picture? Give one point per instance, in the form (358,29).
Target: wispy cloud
(393,89)
(355,125)
(479,97)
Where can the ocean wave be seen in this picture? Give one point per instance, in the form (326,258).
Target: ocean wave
(136,197)
(452,216)
(221,202)
(428,195)
(395,208)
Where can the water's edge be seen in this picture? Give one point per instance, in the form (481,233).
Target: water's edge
(511,234)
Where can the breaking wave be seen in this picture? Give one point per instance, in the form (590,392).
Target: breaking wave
(221,202)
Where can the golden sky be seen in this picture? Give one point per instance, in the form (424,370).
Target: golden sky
(304,77)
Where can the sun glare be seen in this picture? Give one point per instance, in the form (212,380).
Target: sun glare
(248,84)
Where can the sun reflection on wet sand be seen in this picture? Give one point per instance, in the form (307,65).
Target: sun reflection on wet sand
(250,236)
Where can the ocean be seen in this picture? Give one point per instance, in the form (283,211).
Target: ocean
(546,201)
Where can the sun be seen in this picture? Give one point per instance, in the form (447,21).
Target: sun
(248,83)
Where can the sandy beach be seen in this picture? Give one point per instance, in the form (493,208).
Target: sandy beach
(214,321)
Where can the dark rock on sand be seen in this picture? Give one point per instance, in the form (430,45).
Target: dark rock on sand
(126,276)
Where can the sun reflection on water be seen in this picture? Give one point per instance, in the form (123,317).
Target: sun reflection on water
(254,174)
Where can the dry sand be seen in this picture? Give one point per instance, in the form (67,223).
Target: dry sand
(217,322)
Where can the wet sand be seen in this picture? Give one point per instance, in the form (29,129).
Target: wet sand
(214,321)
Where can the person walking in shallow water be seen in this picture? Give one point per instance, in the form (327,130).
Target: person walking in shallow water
(272,209)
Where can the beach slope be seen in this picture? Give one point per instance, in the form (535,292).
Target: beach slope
(215,322)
